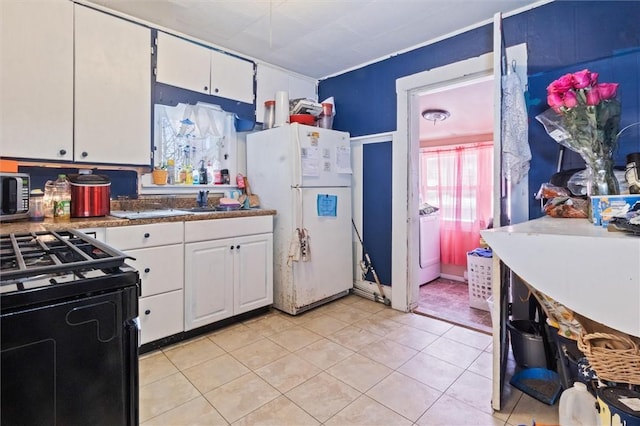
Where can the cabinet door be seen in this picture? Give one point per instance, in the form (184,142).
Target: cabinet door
(270,80)
(36,79)
(183,64)
(160,268)
(208,282)
(160,316)
(254,272)
(231,77)
(112,89)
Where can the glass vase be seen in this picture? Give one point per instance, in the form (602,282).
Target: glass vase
(601,179)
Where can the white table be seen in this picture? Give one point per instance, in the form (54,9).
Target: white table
(594,272)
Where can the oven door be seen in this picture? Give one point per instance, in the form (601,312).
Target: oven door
(73,362)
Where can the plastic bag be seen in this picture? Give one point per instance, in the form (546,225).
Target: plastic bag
(549,191)
(575,208)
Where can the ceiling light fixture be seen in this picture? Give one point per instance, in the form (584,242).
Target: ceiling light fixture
(435,115)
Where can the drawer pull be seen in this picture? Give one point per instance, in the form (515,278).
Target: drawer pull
(147,270)
(147,235)
(147,312)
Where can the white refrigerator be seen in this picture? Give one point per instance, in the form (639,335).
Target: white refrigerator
(304,173)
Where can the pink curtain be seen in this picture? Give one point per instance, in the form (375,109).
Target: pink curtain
(459,181)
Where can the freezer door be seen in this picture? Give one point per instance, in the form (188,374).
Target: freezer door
(323,157)
(329,269)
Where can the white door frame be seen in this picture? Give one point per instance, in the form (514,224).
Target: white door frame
(405,217)
(406,144)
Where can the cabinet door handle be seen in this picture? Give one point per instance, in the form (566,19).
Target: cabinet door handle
(206,88)
(84,154)
(147,270)
(216,90)
(231,247)
(238,247)
(63,152)
(147,235)
(147,312)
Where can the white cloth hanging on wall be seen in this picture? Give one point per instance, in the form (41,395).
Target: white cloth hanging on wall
(516,153)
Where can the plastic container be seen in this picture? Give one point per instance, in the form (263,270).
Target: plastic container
(479,274)
(282,109)
(269,114)
(48,199)
(326,118)
(61,198)
(36,206)
(527,344)
(577,407)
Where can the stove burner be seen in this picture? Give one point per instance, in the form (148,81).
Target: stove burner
(48,252)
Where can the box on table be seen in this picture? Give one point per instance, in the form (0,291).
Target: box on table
(480,278)
(605,207)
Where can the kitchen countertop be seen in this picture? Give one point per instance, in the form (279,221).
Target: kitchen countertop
(110,221)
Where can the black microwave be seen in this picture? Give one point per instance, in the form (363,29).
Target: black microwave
(14,197)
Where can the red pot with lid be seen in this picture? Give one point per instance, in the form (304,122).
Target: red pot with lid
(90,195)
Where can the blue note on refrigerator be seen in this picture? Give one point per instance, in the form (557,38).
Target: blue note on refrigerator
(327,205)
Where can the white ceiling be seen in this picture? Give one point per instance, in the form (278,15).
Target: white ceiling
(320,38)
(316,38)
(471,109)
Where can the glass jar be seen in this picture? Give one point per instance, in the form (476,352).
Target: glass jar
(36,206)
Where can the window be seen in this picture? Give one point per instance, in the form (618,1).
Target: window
(459,181)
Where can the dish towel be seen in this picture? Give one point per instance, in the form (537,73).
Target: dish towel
(516,153)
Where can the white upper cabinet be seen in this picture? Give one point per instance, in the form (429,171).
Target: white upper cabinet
(36,79)
(191,66)
(112,89)
(270,80)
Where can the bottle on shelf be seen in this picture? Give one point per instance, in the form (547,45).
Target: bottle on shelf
(202,171)
(171,169)
(62,199)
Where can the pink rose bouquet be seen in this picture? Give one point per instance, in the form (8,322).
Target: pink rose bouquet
(585,117)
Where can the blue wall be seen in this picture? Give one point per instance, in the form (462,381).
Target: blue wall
(558,34)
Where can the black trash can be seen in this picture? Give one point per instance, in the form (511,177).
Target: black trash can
(527,343)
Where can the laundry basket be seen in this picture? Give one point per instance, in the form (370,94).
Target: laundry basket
(479,266)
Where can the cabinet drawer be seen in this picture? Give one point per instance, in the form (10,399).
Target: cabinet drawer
(161,268)
(141,236)
(161,315)
(204,230)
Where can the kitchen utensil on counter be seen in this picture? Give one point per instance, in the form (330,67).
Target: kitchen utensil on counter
(90,195)
(254,200)
(203,198)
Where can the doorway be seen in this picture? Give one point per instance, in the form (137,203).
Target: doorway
(455,174)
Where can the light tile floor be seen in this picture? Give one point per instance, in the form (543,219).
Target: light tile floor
(350,362)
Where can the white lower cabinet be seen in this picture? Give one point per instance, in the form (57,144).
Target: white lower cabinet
(159,258)
(227,276)
(160,315)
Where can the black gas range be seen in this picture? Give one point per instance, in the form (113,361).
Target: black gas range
(68,320)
